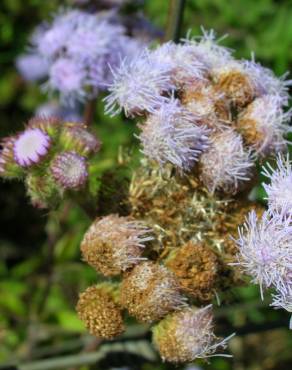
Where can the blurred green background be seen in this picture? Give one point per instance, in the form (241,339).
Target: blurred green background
(40,284)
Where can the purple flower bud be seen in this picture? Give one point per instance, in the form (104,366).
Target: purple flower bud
(171,135)
(69,169)
(31,146)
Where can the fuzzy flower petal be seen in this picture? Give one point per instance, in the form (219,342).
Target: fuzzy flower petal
(171,135)
(32,67)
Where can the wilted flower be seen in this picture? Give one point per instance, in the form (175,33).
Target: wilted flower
(263,125)
(98,310)
(279,191)
(265,251)
(187,335)
(32,67)
(138,86)
(172,135)
(31,146)
(226,165)
(150,291)
(113,244)
(69,169)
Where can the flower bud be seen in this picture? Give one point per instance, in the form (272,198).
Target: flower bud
(186,335)
(8,167)
(99,312)
(50,125)
(69,170)
(150,291)
(196,268)
(113,244)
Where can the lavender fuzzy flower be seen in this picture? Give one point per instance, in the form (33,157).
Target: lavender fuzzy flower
(283,300)
(226,165)
(138,86)
(279,191)
(32,67)
(171,135)
(30,147)
(69,169)
(265,251)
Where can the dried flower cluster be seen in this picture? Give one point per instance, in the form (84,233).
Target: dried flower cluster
(75,51)
(207,118)
(51,157)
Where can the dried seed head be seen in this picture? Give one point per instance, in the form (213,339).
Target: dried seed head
(113,244)
(100,314)
(196,267)
(186,335)
(226,165)
(150,291)
(69,170)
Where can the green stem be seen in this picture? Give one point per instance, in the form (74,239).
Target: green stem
(175,19)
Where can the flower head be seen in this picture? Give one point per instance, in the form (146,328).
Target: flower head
(171,135)
(226,165)
(113,244)
(69,169)
(98,310)
(279,191)
(265,251)
(187,335)
(31,146)
(138,86)
(263,125)
(69,78)
(32,67)
(150,291)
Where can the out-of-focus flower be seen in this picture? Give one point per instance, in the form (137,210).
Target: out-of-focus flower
(32,67)
(150,291)
(265,251)
(187,335)
(69,170)
(138,85)
(171,135)
(279,191)
(53,109)
(113,244)
(30,147)
(226,165)
(263,125)
(283,300)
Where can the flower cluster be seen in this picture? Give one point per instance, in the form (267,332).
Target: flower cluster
(264,244)
(51,156)
(226,114)
(75,52)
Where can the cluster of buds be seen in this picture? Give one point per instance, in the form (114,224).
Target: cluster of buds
(51,156)
(73,53)
(265,243)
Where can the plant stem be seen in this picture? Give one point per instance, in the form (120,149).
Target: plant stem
(89,111)
(175,19)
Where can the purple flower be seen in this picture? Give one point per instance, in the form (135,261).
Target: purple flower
(283,299)
(279,191)
(67,77)
(226,164)
(171,135)
(53,109)
(138,86)
(265,251)
(69,169)
(30,147)
(32,67)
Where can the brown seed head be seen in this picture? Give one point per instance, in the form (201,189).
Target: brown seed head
(100,314)
(150,291)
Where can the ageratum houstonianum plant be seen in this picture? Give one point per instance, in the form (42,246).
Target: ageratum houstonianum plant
(206,119)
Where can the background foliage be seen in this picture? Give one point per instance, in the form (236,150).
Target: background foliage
(40,268)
